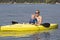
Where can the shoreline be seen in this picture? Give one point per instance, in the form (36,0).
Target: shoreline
(29,3)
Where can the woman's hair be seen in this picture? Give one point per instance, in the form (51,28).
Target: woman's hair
(37,11)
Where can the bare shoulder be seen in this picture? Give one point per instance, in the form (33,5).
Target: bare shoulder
(40,16)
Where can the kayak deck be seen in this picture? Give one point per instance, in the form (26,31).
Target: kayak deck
(24,27)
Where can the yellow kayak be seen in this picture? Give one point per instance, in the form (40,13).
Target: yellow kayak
(21,30)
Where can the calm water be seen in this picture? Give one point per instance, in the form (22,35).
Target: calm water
(22,12)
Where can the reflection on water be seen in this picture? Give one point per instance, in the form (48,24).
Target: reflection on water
(38,36)
(47,35)
(43,36)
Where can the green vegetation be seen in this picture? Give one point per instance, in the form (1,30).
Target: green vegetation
(30,1)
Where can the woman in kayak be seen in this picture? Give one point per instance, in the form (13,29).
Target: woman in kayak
(37,19)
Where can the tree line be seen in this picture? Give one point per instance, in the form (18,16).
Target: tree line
(29,1)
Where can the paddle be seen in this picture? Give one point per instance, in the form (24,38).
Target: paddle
(14,22)
(47,25)
(44,24)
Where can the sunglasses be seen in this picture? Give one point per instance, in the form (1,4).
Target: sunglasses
(36,13)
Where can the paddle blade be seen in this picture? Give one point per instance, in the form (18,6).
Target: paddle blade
(14,22)
(46,25)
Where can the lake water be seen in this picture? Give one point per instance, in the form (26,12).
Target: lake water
(22,12)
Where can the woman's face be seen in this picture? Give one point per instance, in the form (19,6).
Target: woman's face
(36,14)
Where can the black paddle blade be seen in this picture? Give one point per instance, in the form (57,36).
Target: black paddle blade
(46,25)
(14,22)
